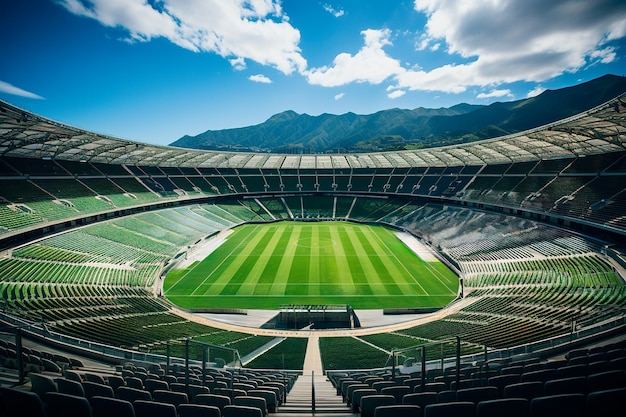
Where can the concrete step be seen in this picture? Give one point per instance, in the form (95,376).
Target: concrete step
(300,399)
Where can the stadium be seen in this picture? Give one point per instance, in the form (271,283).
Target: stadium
(457,271)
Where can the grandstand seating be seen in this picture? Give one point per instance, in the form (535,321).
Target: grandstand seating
(542,385)
(65,189)
(524,261)
(524,280)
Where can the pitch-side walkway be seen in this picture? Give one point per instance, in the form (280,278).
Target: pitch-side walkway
(313,387)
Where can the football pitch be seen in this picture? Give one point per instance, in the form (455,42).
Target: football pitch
(264,266)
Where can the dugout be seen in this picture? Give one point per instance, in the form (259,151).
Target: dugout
(317,316)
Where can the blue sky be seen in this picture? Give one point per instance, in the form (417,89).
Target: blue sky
(155,70)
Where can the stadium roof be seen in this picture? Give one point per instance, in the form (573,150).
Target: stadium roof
(599,130)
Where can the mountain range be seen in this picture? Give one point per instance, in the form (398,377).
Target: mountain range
(394,129)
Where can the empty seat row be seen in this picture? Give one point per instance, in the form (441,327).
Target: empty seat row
(18,403)
(607,403)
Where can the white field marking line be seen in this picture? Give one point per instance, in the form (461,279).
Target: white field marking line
(319,256)
(257,272)
(204,249)
(417,247)
(223,260)
(438,275)
(363,284)
(370,344)
(411,245)
(312,295)
(254,242)
(375,243)
(398,261)
(199,255)
(366,263)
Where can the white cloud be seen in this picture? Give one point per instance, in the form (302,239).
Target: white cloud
(238,64)
(495,93)
(507,40)
(339,96)
(16,91)
(535,91)
(260,78)
(395,94)
(604,56)
(488,43)
(243,29)
(333,11)
(370,65)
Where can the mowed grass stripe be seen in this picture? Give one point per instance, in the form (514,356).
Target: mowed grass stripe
(279,285)
(228,270)
(258,268)
(344,269)
(307,263)
(297,282)
(416,266)
(439,284)
(329,274)
(314,263)
(391,277)
(273,302)
(395,254)
(373,274)
(271,271)
(201,271)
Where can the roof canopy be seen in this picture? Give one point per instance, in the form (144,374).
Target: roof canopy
(599,130)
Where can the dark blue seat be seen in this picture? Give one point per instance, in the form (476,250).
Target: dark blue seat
(65,405)
(503,407)
(397,410)
(241,411)
(153,409)
(152,385)
(453,408)
(477,394)
(398,391)
(446,396)
(570,405)
(250,401)
(170,397)
(93,389)
(571,385)
(528,390)
(355,401)
(69,386)
(606,403)
(217,400)
(198,410)
(107,407)
(370,402)
(606,380)
(133,394)
(420,398)
(541,375)
(18,403)
(501,381)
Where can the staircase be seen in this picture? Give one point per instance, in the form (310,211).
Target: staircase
(312,387)
(300,399)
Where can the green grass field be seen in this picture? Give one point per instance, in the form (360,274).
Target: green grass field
(261,266)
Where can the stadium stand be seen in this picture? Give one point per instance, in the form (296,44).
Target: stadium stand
(533,223)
